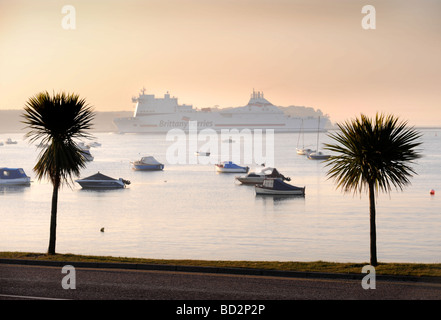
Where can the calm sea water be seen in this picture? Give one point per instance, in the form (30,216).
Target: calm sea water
(188,211)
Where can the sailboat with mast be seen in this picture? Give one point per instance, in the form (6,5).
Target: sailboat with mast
(318,155)
(302,150)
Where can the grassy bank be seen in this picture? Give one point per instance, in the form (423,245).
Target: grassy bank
(402,269)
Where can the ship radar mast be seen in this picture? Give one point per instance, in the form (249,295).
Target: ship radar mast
(257,95)
(258,99)
(136,99)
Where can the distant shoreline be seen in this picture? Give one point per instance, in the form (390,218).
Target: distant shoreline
(10,122)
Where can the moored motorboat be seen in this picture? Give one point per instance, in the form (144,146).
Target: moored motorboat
(148,163)
(230,167)
(259,176)
(318,156)
(14,176)
(276,186)
(86,154)
(251,178)
(201,153)
(101,181)
(10,141)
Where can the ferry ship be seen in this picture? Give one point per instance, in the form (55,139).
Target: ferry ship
(163,114)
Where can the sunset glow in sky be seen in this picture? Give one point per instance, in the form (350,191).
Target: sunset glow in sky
(311,53)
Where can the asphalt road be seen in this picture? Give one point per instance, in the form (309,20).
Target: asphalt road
(162,294)
(46,282)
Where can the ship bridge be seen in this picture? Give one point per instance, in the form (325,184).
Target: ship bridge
(148,104)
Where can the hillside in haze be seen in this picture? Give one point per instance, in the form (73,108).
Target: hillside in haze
(10,121)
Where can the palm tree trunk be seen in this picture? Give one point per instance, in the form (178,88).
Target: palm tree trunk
(53,226)
(373,231)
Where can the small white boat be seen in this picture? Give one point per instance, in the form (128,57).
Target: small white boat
(1,143)
(201,153)
(305,151)
(14,177)
(259,177)
(230,167)
(276,186)
(101,181)
(9,141)
(87,155)
(148,163)
(318,156)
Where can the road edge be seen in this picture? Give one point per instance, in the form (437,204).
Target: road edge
(217,270)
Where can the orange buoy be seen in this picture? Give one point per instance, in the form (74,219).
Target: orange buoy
(432,192)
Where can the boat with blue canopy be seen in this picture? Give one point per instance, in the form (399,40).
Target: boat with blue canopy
(277,186)
(229,166)
(148,163)
(14,176)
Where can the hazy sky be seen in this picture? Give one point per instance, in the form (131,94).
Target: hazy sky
(214,52)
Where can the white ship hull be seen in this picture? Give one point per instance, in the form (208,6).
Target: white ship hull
(159,115)
(164,123)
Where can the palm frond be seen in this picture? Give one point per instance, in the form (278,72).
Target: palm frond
(379,151)
(57,121)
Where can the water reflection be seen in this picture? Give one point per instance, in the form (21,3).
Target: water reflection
(280,199)
(187,211)
(95,191)
(13,189)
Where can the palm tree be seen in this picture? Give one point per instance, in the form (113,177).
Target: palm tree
(373,156)
(56,121)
